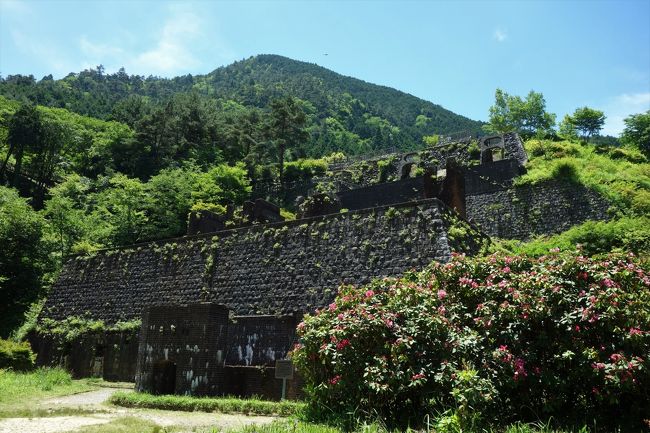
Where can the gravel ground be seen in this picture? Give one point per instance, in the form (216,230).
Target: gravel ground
(95,401)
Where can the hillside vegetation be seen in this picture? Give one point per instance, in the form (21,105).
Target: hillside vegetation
(344,113)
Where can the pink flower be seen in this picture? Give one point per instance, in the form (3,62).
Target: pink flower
(332,306)
(340,316)
(342,344)
(608,283)
(615,357)
(520,370)
(635,331)
(598,366)
(577,328)
(335,379)
(506,270)
(417,376)
(442,294)
(301,326)
(370,294)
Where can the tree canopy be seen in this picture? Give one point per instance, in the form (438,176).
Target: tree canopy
(637,131)
(588,121)
(526,116)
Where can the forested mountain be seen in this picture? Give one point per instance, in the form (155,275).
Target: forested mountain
(343,113)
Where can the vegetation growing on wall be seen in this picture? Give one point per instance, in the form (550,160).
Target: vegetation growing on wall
(72,328)
(621,174)
(592,238)
(16,355)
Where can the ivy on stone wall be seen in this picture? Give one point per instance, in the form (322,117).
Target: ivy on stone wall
(74,327)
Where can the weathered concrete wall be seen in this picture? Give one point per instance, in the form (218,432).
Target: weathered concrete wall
(259,340)
(523,212)
(181,350)
(110,355)
(198,350)
(278,268)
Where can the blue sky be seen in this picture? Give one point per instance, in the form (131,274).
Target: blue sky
(594,53)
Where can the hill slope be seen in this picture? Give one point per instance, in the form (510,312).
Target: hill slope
(346,114)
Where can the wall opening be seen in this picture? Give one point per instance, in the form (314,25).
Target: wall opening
(406,169)
(164,377)
(491,154)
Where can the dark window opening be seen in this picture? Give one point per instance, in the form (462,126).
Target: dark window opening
(406,170)
(164,377)
(492,154)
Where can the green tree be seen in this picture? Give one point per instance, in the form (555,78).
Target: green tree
(68,222)
(567,128)
(122,210)
(222,185)
(24,133)
(637,131)
(170,200)
(24,258)
(286,127)
(526,116)
(588,121)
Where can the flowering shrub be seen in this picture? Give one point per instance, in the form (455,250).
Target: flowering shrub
(512,337)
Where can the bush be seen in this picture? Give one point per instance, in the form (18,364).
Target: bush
(569,333)
(593,237)
(303,169)
(16,356)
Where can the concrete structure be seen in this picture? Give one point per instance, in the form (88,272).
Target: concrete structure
(219,308)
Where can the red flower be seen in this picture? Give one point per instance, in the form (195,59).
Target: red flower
(417,376)
(635,331)
(335,379)
(342,344)
(608,283)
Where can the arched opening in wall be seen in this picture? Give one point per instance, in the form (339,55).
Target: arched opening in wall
(164,377)
(406,169)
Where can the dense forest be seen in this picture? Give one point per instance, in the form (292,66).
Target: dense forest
(343,113)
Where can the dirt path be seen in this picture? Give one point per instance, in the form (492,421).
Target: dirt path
(96,411)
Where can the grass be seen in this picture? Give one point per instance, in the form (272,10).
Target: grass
(206,404)
(620,174)
(18,388)
(124,425)
(292,426)
(595,237)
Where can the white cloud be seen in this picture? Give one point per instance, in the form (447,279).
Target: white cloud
(620,107)
(173,50)
(500,35)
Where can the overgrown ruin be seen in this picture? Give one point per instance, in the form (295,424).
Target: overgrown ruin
(210,313)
